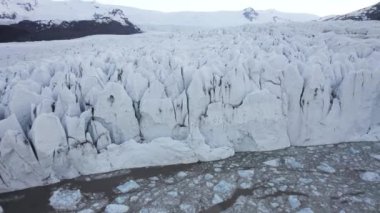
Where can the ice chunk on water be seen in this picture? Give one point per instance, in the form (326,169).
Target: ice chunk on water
(248,174)
(245,185)
(173,193)
(376,156)
(128,186)
(291,162)
(64,199)
(169,180)
(324,167)
(273,163)
(224,189)
(217,170)
(181,174)
(305,181)
(305,210)
(121,199)
(209,176)
(370,176)
(294,202)
(87,211)
(216,199)
(116,208)
(187,208)
(153,210)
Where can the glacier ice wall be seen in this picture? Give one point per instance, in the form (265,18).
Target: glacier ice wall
(104,103)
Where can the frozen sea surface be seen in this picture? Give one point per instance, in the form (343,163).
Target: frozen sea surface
(242,183)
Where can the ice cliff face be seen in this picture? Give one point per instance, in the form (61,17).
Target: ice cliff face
(70,108)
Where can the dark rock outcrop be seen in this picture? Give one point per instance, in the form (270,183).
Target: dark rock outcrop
(37,31)
(366,14)
(250,14)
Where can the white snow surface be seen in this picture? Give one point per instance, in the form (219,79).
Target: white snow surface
(13,11)
(104,103)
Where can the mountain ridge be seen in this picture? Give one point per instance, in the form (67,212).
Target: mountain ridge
(19,10)
(36,20)
(365,14)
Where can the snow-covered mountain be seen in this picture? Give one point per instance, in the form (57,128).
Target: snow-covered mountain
(365,14)
(23,20)
(48,11)
(104,103)
(213,19)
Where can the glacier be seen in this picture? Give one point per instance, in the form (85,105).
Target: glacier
(105,103)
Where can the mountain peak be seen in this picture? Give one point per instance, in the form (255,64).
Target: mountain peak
(365,14)
(250,13)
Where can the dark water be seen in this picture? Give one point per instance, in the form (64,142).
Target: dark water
(344,189)
(36,200)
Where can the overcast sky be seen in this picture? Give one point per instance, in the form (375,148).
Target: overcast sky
(318,7)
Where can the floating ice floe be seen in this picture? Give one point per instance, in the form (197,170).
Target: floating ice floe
(187,208)
(209,176)
(305,210)
(294,202)
(223,189)
(247,174)
(370,176)
(216,199)
(291,162)
(181,174)
(116,208)
(66,200)
(376,156)
(273,163)
(86,211)
(324,167)
(128,186)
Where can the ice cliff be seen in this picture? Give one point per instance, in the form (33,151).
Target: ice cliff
(103,103)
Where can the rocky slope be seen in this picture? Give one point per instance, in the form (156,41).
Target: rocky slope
(366,14)
(27,20)
(103,103)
